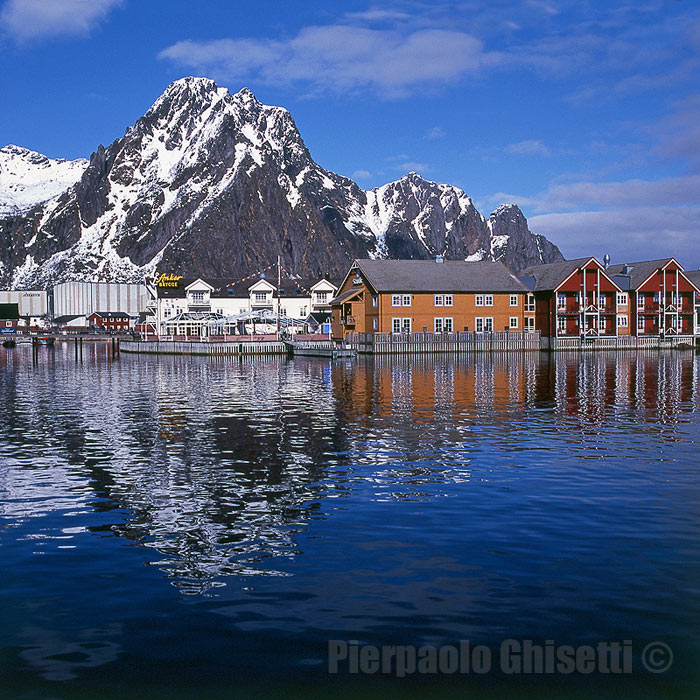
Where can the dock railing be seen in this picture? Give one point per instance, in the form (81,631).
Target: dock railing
(458,342)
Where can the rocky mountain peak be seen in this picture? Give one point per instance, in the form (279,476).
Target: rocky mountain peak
(213,183)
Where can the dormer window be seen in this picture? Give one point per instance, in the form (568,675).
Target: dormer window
(197,297)
(260,296)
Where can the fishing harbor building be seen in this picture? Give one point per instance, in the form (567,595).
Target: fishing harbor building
(425,296)
(197,307)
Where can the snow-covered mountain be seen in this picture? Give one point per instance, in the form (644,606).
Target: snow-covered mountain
(28,178)
(211,183)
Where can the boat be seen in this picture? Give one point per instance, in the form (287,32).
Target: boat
(9,343)
(45,340)
(331,351)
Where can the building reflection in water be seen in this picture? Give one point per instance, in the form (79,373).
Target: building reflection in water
(217,464)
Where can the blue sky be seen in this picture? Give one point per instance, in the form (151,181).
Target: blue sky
(586,114)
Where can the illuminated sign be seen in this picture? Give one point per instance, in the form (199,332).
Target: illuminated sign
(168,280)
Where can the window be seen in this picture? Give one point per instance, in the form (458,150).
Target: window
(374,300)
(529,324)
(375,324)
(484,324)
(396,300)
(602,299)
(283,311)
(260,296)
(640,300)
(514,322)
(443,299)
(561,300)
(197,297)
(561,323)
(530,302)
(603,322)
(406,299)
(321,297)
(302,312)
(483,299)
(621,299)
(513,299)
(444,325)
(401,325)
(640,324)
(622,321)
(657,297)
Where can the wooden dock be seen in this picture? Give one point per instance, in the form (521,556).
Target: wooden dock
(434,343)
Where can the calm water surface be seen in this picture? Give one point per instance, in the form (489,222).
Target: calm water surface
(184,527)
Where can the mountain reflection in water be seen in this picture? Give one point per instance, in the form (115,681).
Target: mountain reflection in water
(389,493)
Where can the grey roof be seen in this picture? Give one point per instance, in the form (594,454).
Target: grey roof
(448,276)
(638,272)
(550,275)
(693,276)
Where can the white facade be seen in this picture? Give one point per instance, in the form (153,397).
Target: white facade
(84,298)
(261,295)
(30,303)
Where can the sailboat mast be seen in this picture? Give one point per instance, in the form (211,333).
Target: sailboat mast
(279,293)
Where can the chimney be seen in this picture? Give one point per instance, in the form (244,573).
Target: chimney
(606,261)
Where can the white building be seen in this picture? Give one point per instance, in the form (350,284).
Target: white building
(83,298)
(181,306)
(31,304)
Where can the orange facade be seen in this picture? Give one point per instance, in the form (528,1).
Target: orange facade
(369,311)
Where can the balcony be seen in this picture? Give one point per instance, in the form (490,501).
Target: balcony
(648,309)
(571,308)
(350,320)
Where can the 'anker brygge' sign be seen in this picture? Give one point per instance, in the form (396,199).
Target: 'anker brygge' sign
(168,280)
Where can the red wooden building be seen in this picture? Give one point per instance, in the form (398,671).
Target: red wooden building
(662,297)
(577,298)
(109,320)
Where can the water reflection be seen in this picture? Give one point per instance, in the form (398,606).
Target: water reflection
(218,464)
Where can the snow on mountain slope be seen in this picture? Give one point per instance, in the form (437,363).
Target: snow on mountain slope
(218,184)
(28,178)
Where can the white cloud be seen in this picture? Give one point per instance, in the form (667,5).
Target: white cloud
(435,133)
(528,148)
(626,234)
(29,19)
(671,190)
(361,175)
(341,58)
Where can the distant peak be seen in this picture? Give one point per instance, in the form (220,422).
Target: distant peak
(507,208)
(193,82)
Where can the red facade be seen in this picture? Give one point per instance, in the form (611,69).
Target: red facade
(665,303)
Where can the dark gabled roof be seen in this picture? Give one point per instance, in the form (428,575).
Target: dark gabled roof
(67,319)
(345,296)
(110,314)
(9,312)
(224,288)
(638,273)
(430,276)
(539,278)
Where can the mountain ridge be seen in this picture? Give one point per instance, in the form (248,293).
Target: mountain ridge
(218,184)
